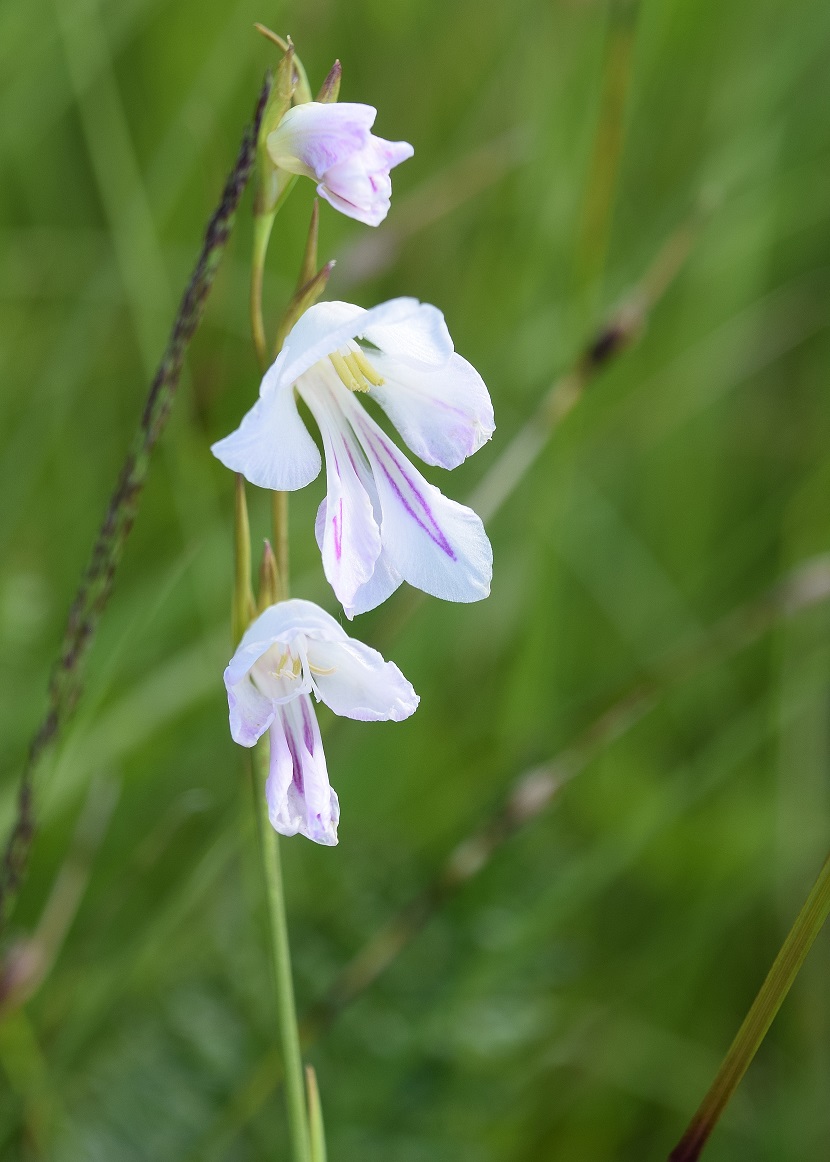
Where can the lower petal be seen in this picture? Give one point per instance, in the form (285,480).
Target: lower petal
(348,533)
(434,543)
(369,209)
(300,799)
(382,584)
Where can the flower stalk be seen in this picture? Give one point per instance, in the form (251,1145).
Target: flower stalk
(281,960)
(279,528)
(764,1008)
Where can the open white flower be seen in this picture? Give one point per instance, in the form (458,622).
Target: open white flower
(293,650)
(381,522)
(332,144)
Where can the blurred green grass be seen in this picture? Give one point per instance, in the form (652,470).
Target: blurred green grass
(573,1001)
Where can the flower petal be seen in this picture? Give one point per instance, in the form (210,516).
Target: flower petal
(272,447)
(326,327)
(349,536)
(434,543)
(354,681)
(360,186)
(284,622)
(300,799)
(380,586)
(250,712)
(384,579)
(314,136)
(371,214)
(402,327)
(419,334)
(444,413)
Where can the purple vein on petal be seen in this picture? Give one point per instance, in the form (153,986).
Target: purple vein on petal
(432,528)
(337,519)
(308,729)
(296,762)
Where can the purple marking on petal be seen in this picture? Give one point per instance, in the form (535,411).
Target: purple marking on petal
(308,729)
(337,519)
(296,762)
(337,526)
(434,532)
(351,457)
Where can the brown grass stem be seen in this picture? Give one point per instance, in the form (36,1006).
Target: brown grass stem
(66,684)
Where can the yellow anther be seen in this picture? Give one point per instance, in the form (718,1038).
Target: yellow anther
(354,369)
(319,670)
(346,374)
(366,368)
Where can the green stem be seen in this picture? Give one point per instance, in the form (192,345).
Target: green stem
(279,522)
(263,224)
(771,996)
(281,956)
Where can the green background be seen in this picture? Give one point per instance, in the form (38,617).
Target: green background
(573,1000)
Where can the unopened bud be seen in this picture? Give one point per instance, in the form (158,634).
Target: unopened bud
(330,89)
(311,282)
(269,584)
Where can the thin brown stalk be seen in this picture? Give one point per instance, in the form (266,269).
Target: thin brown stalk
(66,684)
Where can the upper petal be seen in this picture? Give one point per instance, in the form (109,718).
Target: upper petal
(284,622)
(418,334)
(355,681)
(272,447)
(443,413)
(326,327)
(314,136)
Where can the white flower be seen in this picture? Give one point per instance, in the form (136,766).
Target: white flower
(332,144)
(381,522)
(292,650)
